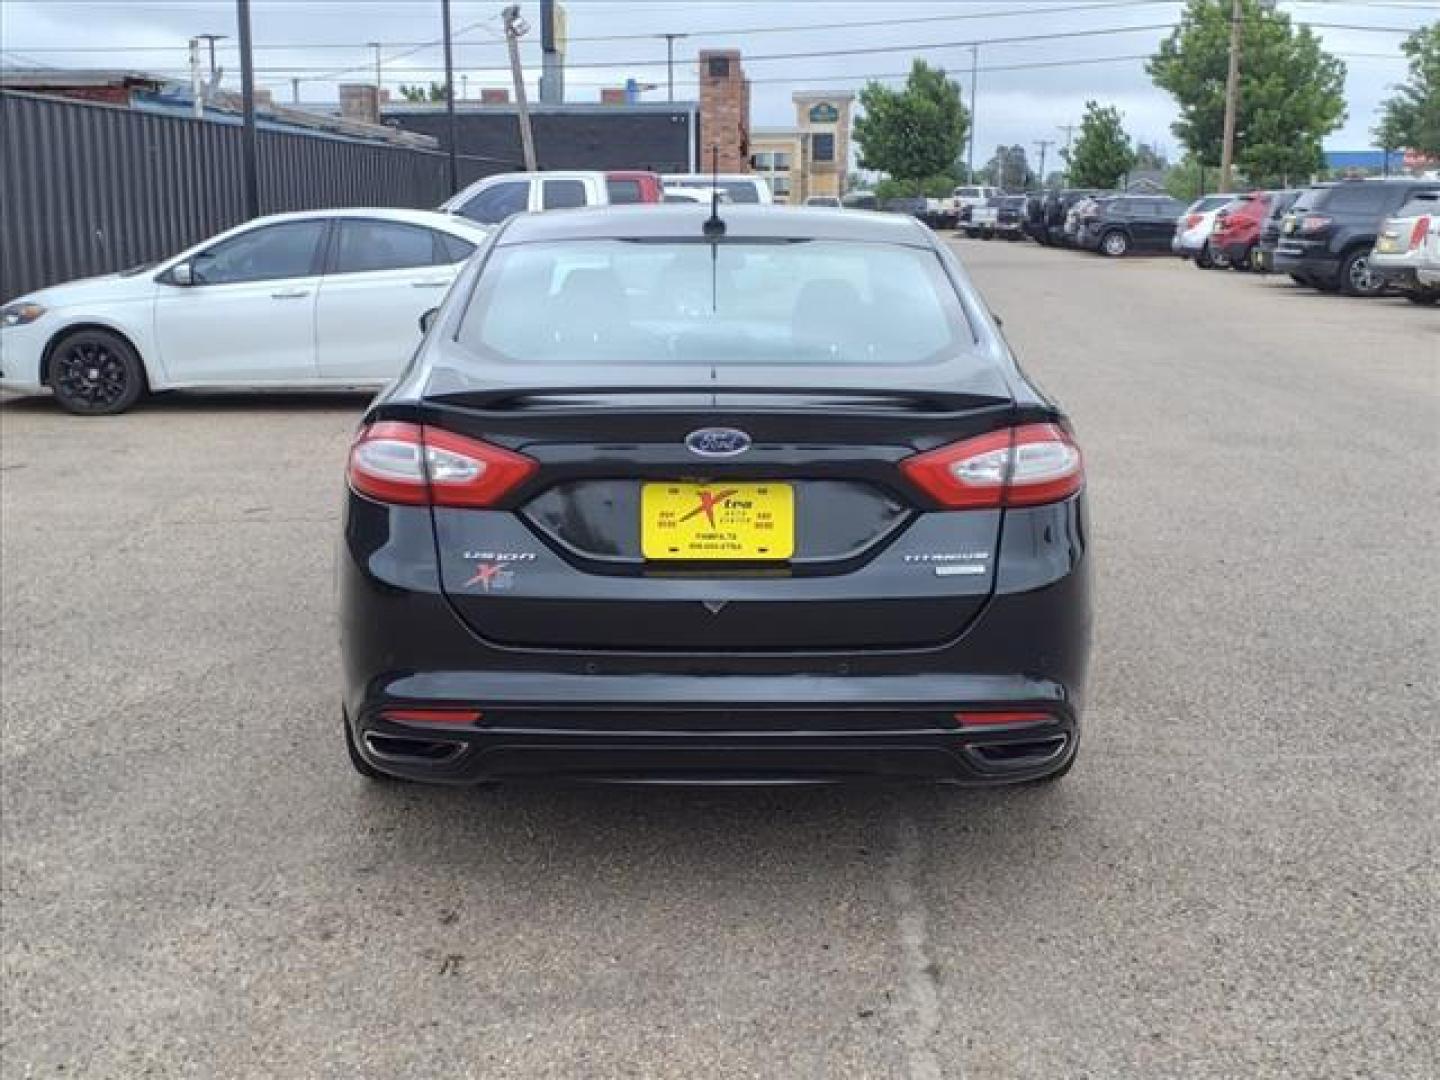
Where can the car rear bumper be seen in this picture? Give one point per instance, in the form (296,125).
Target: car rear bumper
(691,739)
(720,716)
(1291,259)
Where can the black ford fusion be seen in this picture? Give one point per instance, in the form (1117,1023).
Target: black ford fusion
(673,497)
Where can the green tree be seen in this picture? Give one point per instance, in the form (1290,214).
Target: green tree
(916,133)
(421,94)
(1292,92)
(1101,154)
(1010,169)
(1410,119)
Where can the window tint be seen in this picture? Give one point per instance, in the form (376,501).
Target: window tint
(624,191)
(818,302)
(382,245)
(823,147)
(966,192)
(265,254)
(1116,206)
(563,194)
(498,201)
(454,249)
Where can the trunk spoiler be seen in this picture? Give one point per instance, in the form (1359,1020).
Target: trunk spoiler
(601,397)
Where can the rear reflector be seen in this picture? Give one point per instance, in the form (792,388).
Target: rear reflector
(419,465)
(1001,719)
(1021,466)
(432,716)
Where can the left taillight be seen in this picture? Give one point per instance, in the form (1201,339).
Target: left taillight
(419,465)
(1417,234)
(1027,465)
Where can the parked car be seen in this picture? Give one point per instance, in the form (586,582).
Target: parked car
(1236,233)
(963,200)
(1262,258)
(1328,235)
(861,200)
(861,553)
(1079,209)
(1002,215)
(1128,223)
(1407,251)
(493,199)
(692,195)
(741,187)
(1192,230)
(1033,218)
(1058,205)
(832,201)
(315,299)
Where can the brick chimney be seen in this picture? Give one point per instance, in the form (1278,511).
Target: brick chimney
(724,110)
(359,101)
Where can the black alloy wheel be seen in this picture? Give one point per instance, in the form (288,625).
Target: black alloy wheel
(96,373)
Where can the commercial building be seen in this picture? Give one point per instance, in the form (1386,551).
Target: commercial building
(810,158)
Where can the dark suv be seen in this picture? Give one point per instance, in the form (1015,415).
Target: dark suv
(1129,223)
(1327,236)
(1262,259)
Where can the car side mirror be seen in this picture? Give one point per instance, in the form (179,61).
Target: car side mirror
(182,274)
(427,319)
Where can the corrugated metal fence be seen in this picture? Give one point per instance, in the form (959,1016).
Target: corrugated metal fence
(87,189)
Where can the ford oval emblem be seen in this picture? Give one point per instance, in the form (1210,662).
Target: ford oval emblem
(717,442)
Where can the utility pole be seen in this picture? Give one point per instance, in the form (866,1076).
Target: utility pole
(295,91)
(1232,97)
(464,87)
(249,152)
(379,82)
(970,151)
(454,163)
(1043,144)
(670,61)
(515,26)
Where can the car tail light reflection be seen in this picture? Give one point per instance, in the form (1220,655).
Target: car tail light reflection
(432,716)
(1021,466)
(419,465)
(1417,234)
(1001,719)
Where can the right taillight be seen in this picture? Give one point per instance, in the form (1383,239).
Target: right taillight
(418,465)
(1417,234)
(1193,220)
(1020,466)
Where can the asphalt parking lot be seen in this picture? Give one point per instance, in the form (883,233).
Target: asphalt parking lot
(1237,880)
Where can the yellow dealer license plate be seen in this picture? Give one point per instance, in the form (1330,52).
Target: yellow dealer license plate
(717,521)
(1387,244)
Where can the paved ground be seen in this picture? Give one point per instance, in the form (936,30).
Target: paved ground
(1238,880)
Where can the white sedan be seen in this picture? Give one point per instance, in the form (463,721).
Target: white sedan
(326,298)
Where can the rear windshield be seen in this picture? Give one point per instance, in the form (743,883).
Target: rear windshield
(1422,202)
(739,302)
(1208,203)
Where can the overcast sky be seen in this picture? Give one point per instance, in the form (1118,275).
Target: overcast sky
(314,39)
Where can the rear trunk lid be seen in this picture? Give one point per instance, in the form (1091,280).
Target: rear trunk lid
(856,560)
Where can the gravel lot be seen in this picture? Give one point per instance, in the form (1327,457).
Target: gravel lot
(1237,880)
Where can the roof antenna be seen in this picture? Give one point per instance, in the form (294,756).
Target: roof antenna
(714,226)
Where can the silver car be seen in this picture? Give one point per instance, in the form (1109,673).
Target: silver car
(1407,250)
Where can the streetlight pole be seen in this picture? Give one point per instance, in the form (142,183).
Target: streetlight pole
(210,39)
(378,81)
(974,76)
(1043,144)
(249,153)
(670,60)
(515,26)
(454,164)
